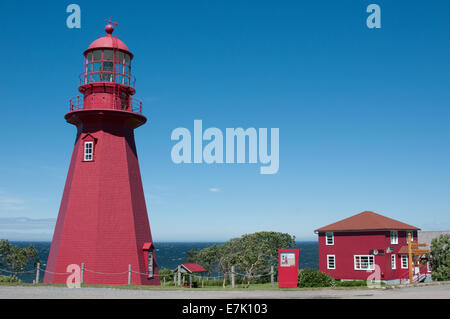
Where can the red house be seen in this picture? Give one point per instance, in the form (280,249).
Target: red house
(354,248)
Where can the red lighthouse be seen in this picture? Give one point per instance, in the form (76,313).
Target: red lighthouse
(102,221)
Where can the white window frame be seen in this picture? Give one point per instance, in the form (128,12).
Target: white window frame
(393,261)
(394,237)
(370,262)
(88,156)
(404,258)
(334,261)
(331,236)
(412,235)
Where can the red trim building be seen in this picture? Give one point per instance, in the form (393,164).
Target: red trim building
(366,244)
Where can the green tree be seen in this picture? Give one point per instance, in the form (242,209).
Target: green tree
(258,251)
(192,256)
(166,273)
(251,254)
(440,258)
(16,258)
(209,257)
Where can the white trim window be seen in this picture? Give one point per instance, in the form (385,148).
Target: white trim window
(331,262)
(394,237)
(329,238)
(407,235)
(364,262)
(88,151)
(404,261)
(393,262)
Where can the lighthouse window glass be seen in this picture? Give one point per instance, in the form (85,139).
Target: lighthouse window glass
(88,151)
(108,55)
(127,59)
(97,67)
(119,57)
(97,55)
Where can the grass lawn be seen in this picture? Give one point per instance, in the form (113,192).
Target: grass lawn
(265,286)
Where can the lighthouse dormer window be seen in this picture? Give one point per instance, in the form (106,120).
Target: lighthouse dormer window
(88,151)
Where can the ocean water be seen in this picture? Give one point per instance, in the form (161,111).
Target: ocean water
(171,254)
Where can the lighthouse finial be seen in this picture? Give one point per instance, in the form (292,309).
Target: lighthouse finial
(110,28)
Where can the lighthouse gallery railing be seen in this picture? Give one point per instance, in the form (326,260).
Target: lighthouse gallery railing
(131,105)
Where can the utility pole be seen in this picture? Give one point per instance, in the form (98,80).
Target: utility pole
(410,259)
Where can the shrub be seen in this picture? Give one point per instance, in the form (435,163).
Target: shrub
(167,273)
(8,279)
(314,278)
(351,283)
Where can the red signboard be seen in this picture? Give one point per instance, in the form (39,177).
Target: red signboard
(287,268)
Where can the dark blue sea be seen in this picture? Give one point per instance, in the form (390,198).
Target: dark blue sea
(171,254)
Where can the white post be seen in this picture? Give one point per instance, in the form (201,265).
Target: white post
(190,280)
(271,276)
(82,273)
(179,276)
(164,281)
(38,265)
(129,274)
(232,276)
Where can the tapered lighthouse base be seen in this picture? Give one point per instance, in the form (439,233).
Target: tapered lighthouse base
(103,222)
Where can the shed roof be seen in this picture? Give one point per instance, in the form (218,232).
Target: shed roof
(367,221)
(192,267)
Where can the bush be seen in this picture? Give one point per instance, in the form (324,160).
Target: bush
(351,283)
(167,273)
(8,279)
(313,278)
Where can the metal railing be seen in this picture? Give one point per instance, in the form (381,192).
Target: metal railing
(130,105)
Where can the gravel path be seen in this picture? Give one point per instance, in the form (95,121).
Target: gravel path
(441,291)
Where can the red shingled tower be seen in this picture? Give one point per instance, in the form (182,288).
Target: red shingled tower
(102,220)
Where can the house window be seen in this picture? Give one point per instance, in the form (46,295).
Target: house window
(394,237)
(88,151)
(404,260)
(331,262)
(393,262)
(364,262)
(329,238)
(412,235)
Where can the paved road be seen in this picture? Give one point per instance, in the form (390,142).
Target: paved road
(424,292)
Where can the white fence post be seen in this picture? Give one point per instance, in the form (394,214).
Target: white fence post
(38,265)
(82,273)
(129,274)
(271,276)
(232,276)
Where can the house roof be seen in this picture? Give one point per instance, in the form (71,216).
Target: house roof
(367,221)
(192,267)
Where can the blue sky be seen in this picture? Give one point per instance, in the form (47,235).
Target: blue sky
(363,114)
